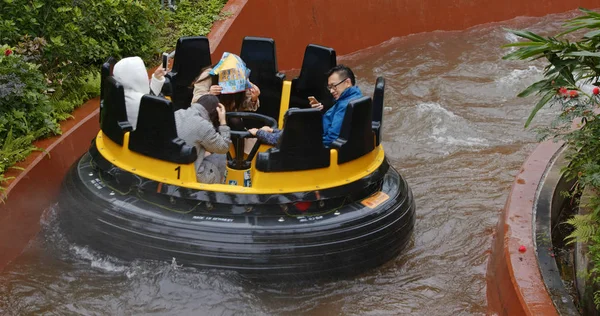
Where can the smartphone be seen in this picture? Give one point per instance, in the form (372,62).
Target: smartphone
(165,60)
(312,100)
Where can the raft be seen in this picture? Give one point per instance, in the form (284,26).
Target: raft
(295,211)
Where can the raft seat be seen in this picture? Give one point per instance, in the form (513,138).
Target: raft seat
(312,80)
(356,135)
(113,114)
(378,109)
(192,54)
(259,55)
(301,144)
(105,71)
(156,134)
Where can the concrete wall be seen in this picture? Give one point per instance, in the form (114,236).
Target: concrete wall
(351,25)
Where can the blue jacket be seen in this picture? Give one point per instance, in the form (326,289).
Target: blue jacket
(333,118)
(268,138)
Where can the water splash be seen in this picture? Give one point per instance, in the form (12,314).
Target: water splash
(517,76)
(447,128)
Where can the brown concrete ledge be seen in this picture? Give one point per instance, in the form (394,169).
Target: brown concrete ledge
(34,189)
(514,282)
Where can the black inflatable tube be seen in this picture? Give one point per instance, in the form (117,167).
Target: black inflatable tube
(256,246)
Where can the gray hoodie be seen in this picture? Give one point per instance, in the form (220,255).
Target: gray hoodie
(195,128)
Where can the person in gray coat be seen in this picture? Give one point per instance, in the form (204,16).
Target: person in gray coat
(203,125)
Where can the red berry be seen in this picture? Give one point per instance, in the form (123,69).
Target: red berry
(8,52)
(522,249)
(562,90)
(596,90)
(573,93)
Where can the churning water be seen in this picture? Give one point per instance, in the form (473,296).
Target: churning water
(453,127)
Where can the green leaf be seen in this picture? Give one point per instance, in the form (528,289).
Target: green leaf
(518,44)
(592,34)
(57,40)
(528,35)
(547,97)
(535,87)
(583,54)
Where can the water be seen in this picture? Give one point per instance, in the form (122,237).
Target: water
(453,127)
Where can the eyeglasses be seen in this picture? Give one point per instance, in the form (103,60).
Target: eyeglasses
(331,87)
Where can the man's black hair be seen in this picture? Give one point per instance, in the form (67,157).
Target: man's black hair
(343,72)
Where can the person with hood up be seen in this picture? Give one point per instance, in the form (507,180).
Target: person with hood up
(132,74)
(204,126)
(341,83)
(234,89)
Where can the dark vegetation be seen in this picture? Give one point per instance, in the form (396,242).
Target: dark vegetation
(51,52)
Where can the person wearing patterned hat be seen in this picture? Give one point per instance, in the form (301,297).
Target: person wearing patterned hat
(233,87)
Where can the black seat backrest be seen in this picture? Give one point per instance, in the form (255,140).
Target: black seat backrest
(156,135)
(313,77)
(113,120)
(105,71)
(300,146)
(378,109)
(191,55)
(259,55)
(356,136)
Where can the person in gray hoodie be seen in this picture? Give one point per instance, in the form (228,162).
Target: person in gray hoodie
(204,126)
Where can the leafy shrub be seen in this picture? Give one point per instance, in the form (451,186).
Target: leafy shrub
(26,111)
(572,82)
(59,46)
(191,18)
(79,35)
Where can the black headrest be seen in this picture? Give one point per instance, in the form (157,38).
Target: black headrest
(300,146)
(105,72)
(356,136)
(191,55)
(259,55)
(156,134)
(303,129)
(113,120)
(378,95)
(317,61)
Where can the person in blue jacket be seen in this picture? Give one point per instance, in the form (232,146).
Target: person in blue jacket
(341,83)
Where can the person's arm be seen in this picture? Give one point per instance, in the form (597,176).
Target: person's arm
(333,132)
(217,142)
(156,84)
(268,138)
(202,85)
(158,80)
(251,102)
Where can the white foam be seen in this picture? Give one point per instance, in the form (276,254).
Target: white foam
(447,128)
(511,37)
(517,75)
(97,261)
(433,107)
(467,142)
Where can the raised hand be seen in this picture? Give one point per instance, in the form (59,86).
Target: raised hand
(221,113)
(215,90)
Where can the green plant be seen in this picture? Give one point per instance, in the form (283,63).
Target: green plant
(51,59)
(571,82)
(191,18)
(56,49)
(26,110)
